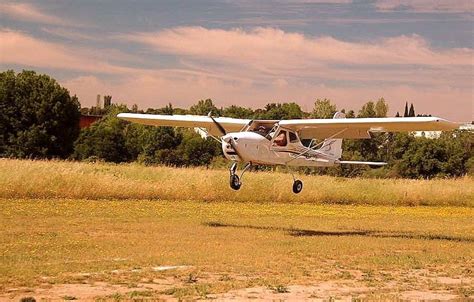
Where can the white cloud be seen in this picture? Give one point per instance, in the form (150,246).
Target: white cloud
(21,49)
(28,12)
(267,54)
(254,67)
(453,6)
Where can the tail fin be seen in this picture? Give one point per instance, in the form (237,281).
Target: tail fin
(333,147)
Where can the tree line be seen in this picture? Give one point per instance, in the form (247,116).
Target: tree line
(39,119)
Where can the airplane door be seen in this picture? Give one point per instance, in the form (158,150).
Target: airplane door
(279,142)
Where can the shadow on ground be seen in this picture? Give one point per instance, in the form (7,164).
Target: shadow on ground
(368,233)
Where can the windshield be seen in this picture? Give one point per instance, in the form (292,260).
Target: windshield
(262,130)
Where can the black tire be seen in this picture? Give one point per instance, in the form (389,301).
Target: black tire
(375,166)
(234,182)
(297,186)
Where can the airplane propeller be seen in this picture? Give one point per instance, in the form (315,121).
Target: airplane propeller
(230,140)
(219,126)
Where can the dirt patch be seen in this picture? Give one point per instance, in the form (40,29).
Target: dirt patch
(428,295)
(69,292)
(178,282)
(341,291)
(322,291)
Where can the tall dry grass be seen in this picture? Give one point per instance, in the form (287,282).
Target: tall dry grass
(78,180)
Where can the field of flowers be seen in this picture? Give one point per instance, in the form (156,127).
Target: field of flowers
(93,231)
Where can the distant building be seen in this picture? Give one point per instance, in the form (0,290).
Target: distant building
(87,120)
(437,134)
(427,134)
(107,100)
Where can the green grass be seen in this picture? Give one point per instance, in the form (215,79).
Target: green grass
(269,244)
(75,180)
(73,223)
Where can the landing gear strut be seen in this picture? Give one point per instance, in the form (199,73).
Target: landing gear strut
(235,180)
(297,184)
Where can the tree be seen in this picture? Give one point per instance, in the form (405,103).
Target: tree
(168,110)
(421,157)
(196,151)
(203,107)
(104,139)
(152,145)
(411,113)
(278,111)
(38,117)
(350,114)
(368,110)
(381,108)
(405,114)
(237,112)
(292,111)
(323,109)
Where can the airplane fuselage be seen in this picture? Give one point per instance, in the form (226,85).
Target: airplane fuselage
(251,147)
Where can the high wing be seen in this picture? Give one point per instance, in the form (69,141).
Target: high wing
(190,121)
(307,128)
(362,127)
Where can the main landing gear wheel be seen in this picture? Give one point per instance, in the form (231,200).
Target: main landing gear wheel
(297,186)
(234,182)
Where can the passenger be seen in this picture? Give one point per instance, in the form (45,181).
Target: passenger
(280,140)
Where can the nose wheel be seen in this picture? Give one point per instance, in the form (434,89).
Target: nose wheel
(297,186)
(235,181)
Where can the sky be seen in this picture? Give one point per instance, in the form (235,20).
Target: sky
(250,53)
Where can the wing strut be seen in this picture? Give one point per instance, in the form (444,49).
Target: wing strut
(208,134)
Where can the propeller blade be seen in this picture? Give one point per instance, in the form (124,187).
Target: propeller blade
(219,126)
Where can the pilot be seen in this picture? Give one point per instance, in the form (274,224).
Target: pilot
(262,130)
(280,140)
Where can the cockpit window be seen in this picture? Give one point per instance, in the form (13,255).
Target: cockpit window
(261,130)
(293,137)
(280,140)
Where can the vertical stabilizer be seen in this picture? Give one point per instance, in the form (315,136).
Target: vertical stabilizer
(333,147)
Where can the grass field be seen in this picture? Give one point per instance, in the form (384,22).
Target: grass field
(75,180)
(112,232)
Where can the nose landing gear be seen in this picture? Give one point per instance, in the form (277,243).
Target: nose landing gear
(235,181)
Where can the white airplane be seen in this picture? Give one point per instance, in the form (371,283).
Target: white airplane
(278,142)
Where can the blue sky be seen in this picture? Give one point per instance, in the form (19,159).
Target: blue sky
(250,52)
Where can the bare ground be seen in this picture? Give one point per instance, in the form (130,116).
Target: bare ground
(429,286)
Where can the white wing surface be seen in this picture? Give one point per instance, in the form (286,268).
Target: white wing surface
(362,127)
(190,121)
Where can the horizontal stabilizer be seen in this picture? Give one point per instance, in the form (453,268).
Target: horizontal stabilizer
(370,163)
